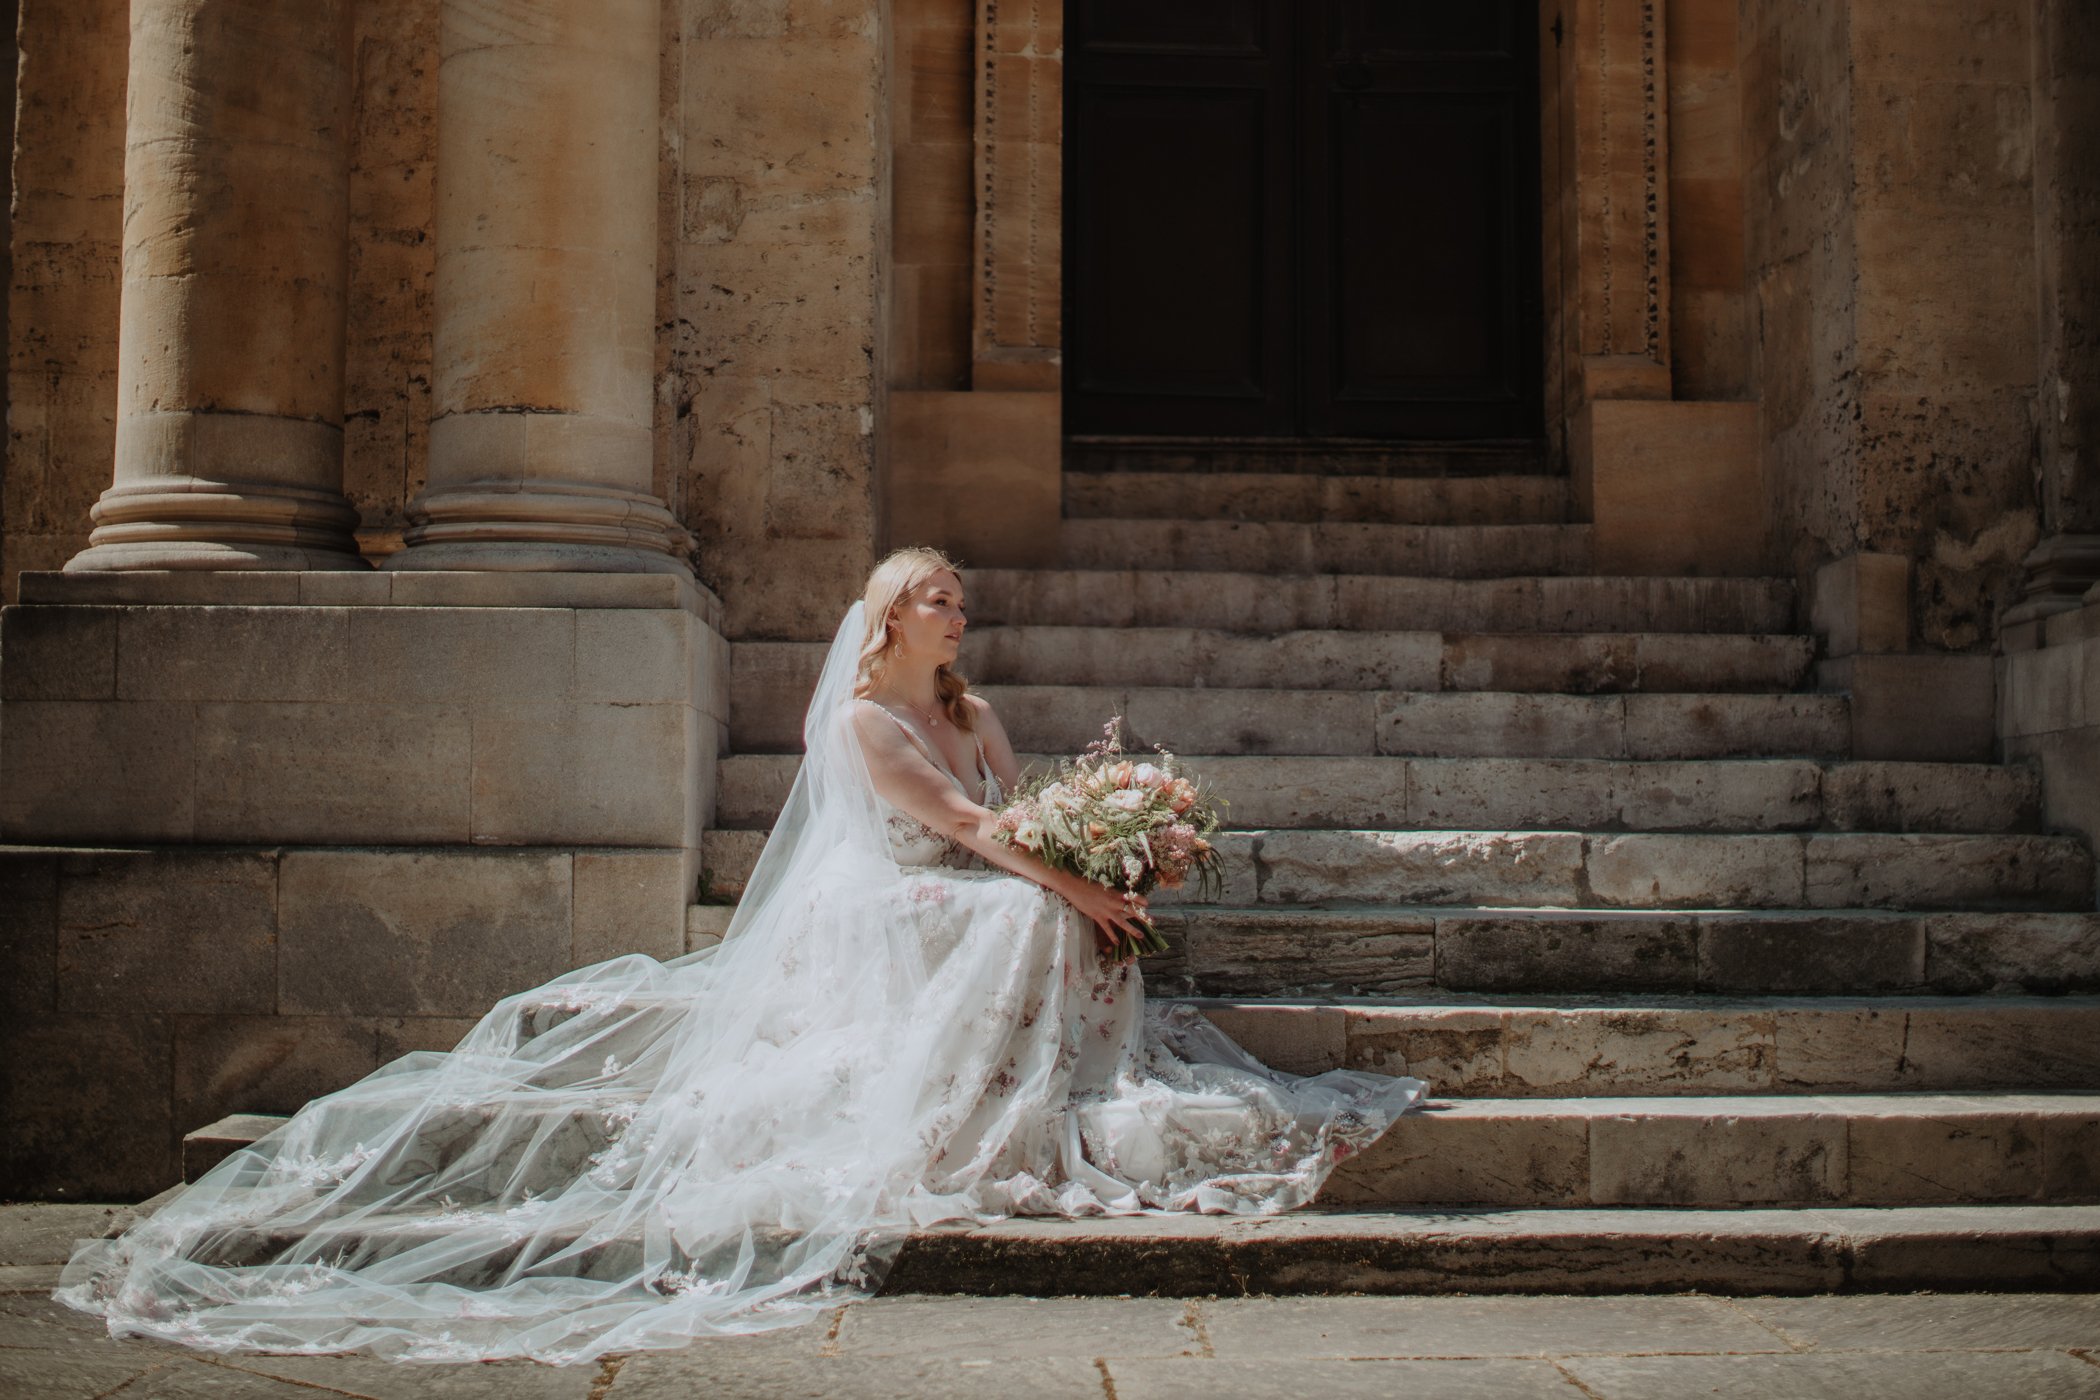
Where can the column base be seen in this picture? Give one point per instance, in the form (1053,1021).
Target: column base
(2056,576)
(509,526)
(185,522)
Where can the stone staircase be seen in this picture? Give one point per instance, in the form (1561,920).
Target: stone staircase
(1707,1002)
(1584,851)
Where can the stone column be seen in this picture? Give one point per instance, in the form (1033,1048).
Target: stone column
(229,440)
(541,449)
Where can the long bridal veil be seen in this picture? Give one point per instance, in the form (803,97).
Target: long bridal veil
(643,1152)
(634,1155)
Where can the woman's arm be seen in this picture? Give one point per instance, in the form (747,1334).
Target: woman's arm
(908,780)
(998,749)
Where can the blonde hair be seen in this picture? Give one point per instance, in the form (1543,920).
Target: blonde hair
(895,579)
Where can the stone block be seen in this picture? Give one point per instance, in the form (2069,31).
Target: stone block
(1673,486)
(1474,1155)
(346,589)
(1998,952)
(1809,954)
(1501,725)
(1518,953)
(1657,870)
(84,770)
(167,930)
(623,772)
(1568,665)
(234,654)
(1297,1040)
(1427,867)
(1837,1046)
(1263,953)
(323,774)
(405,1035)
(1993,1044)
(1914,1158)
(1662,1050)
(1724,1155)
(58,653)
(1248,721)
(1237,602)
(707,925)
(630,656)
(1490,793)
(1937,709)
(405,655)
(2070,1159)
(419,933)
(1315,791)
(629,902)
(28,932)
(1930,797)
(264,1064)
(978,474)
(1065,719)
(1458,1050)
(1763,794)
(222,588)
(1861,603)
(2045,690)
(1734,726)
(79,1127)
(1935,870)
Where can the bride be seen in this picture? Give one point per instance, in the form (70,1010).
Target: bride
(907,1023)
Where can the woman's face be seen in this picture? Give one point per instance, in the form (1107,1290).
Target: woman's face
(929,620)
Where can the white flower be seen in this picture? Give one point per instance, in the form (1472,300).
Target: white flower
(1127,799)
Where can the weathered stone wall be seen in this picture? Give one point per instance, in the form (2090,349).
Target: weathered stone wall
(393,168)
(1709,311)
(933,162)
(1890,239)
(780,255)
(62,313)
(2067,220)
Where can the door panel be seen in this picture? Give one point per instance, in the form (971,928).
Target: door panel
(1310,219)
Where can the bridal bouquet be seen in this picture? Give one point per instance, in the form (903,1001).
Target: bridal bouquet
(1130,824)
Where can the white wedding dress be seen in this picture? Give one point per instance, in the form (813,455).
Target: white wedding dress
(891,1036)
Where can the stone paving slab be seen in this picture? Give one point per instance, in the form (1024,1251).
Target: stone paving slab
(2027,1375)
(1905,1347)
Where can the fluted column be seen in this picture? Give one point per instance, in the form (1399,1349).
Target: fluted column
(544,344)
(229,441)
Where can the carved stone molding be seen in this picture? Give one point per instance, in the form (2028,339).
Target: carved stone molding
(1017,283)
(1617,85)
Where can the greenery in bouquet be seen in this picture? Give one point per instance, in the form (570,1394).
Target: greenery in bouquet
(1130,823)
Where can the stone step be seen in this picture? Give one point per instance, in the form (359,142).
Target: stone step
(1315,498)
(782,675)
(1758,1250)
(1567,1251)
(1763,794)
(1281,952)
(1291,547)
(1516,1048)
(1733,1151)
(1637,1047)
(1441,724)
(1266,603)
(1575,870)
(1561,662)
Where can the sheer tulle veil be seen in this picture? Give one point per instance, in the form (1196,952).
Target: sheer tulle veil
(643,1152)
(634,1155)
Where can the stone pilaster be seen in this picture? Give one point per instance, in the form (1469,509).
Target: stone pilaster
(229,439)
(541,451)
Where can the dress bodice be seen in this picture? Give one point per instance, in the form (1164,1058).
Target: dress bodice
(912,842)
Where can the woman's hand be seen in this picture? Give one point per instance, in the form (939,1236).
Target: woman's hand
(1114,913)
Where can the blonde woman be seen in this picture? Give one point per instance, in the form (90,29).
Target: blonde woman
(908,1026)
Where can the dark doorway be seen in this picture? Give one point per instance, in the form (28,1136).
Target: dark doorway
(1302,219)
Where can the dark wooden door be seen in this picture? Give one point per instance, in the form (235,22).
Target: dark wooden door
(1302,218)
